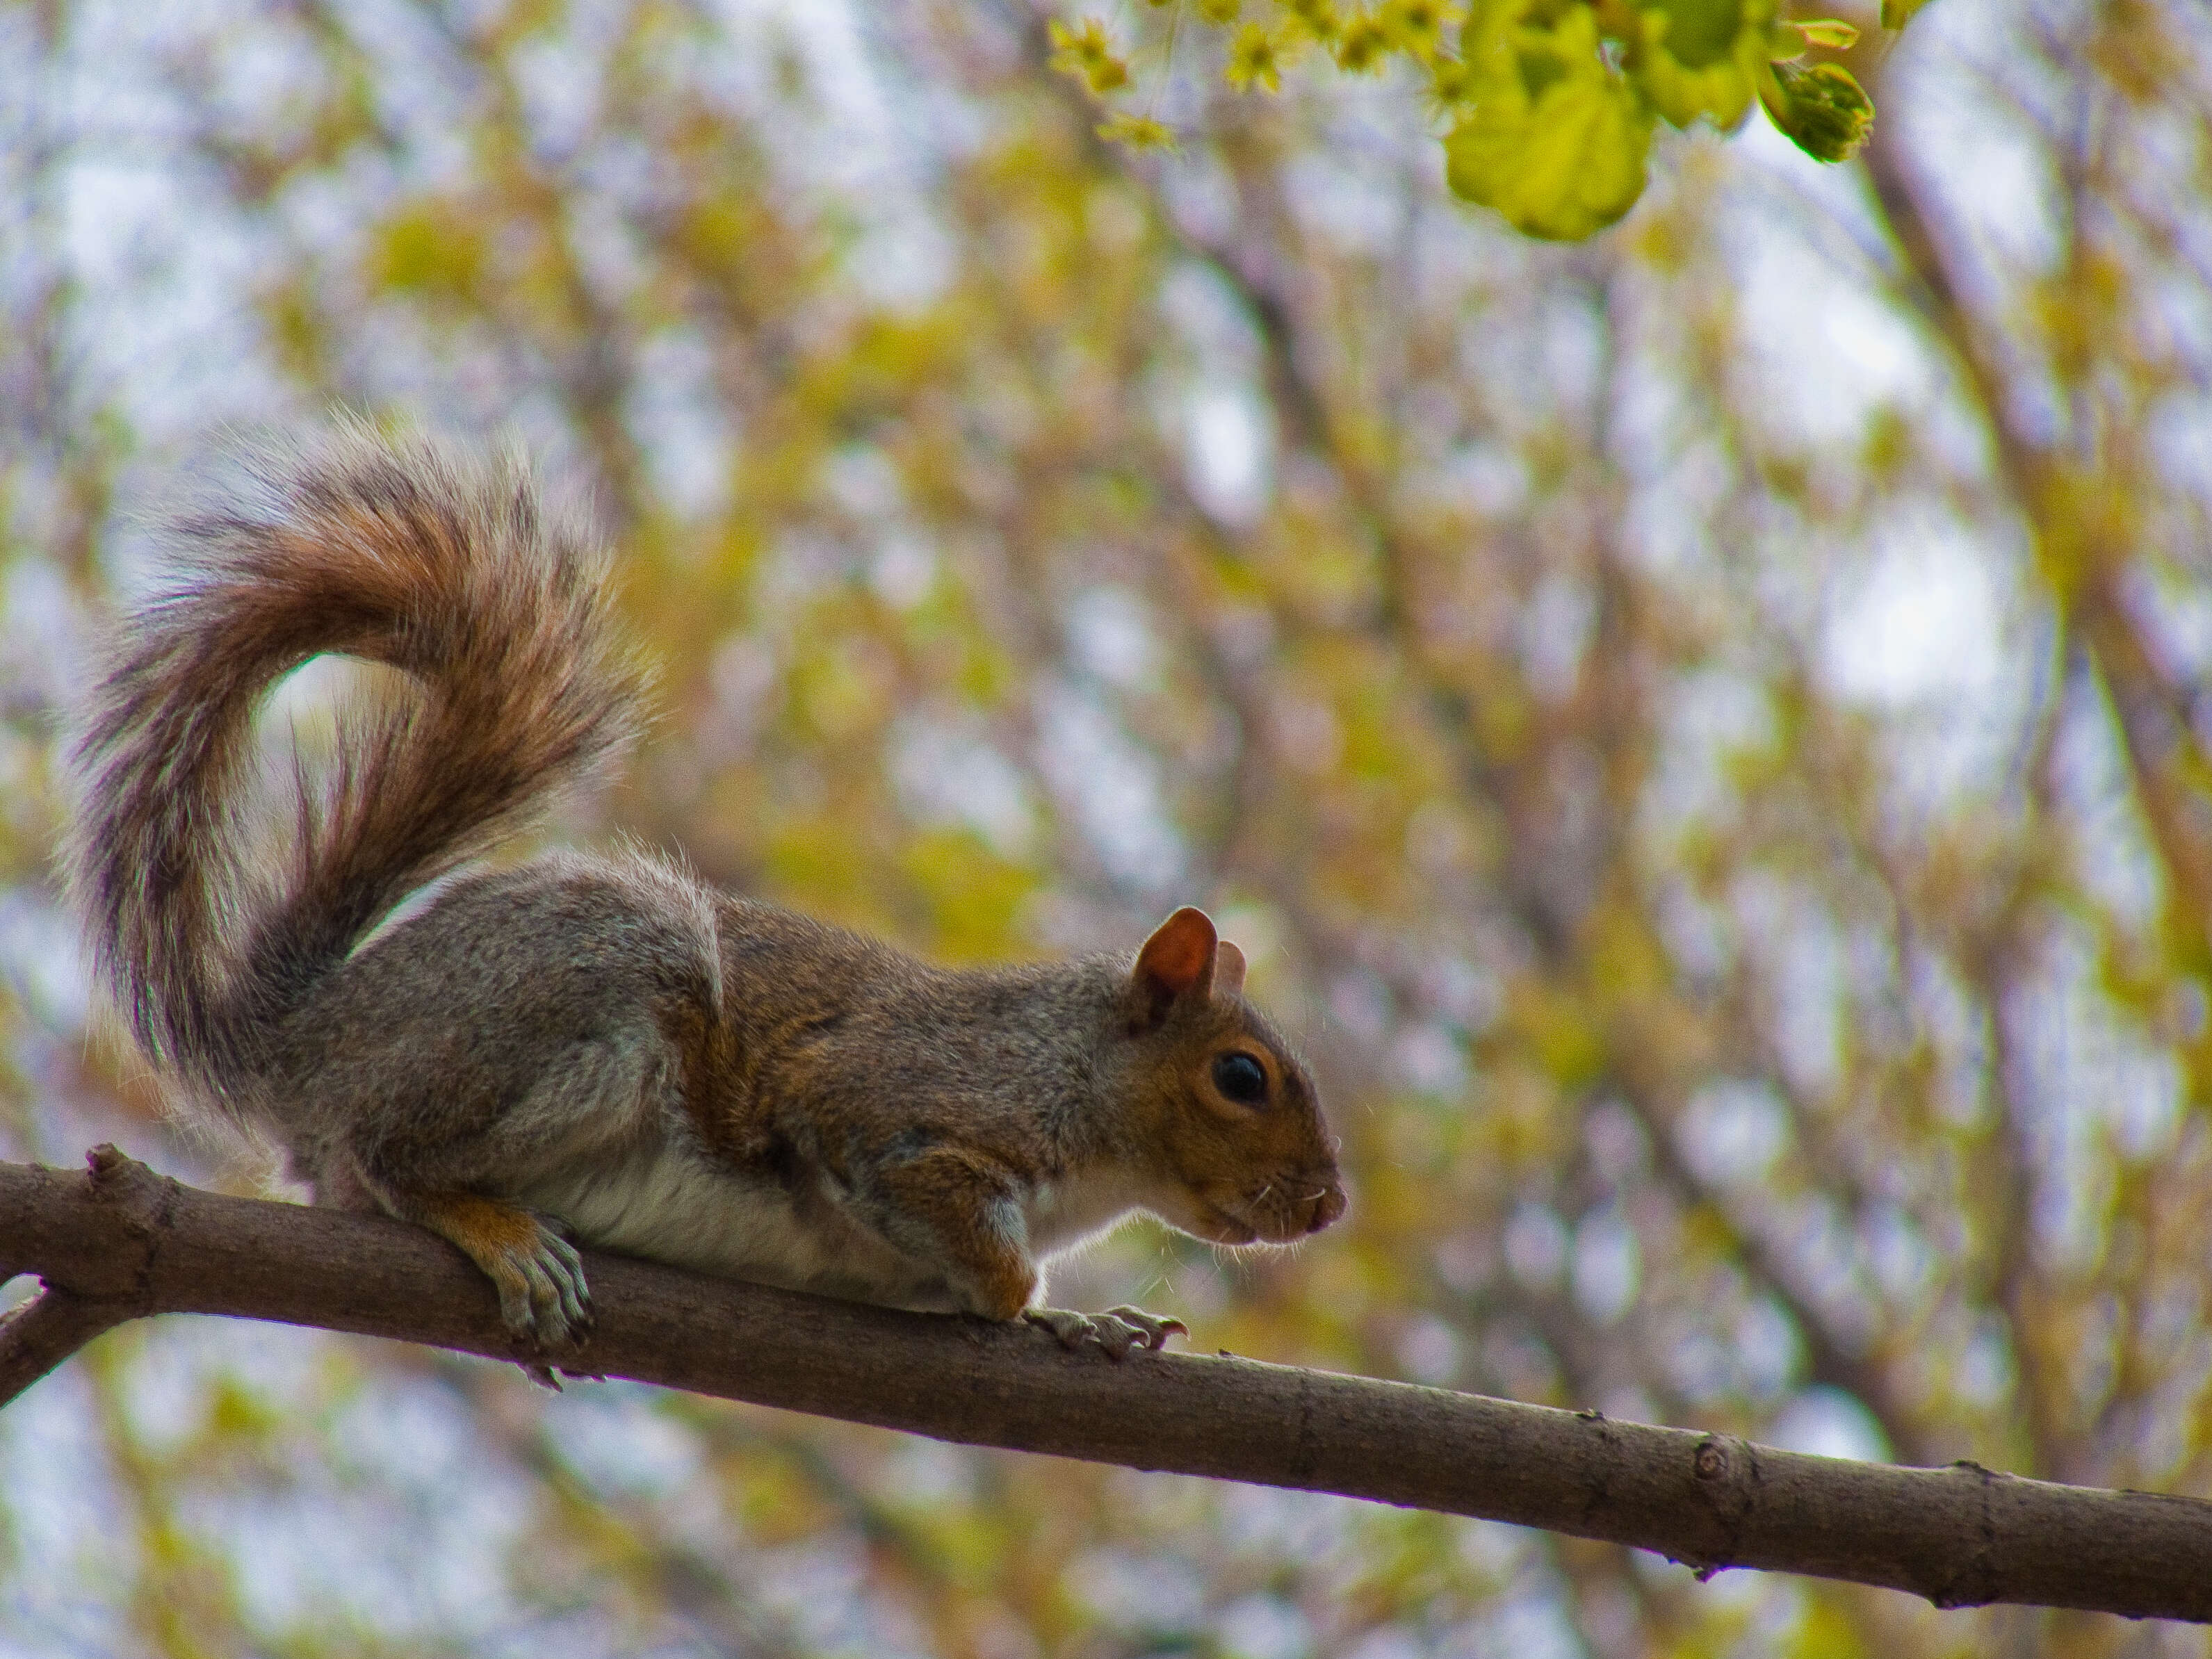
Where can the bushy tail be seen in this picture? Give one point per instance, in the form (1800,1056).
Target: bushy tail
(398,551)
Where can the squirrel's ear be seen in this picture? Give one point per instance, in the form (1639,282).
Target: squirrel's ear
(1228,970)
(1176,961)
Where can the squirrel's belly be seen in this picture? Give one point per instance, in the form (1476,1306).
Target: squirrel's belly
(666,1203)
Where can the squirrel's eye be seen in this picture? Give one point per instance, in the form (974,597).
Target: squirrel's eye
(1242,1079)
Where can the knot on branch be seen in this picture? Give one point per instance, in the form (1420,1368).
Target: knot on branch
(1728,1479)
(131,1205)
(1972,1584)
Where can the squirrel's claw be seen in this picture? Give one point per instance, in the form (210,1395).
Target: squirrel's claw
(543,1297)
(541,1292)
(1069,1326)
(1153,1329)
(558,1259)
(1116,1332)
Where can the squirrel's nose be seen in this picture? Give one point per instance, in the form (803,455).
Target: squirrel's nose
(1327,1208)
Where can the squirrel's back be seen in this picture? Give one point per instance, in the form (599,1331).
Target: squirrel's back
(445,567)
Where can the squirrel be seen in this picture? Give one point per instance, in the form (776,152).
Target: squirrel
(603,1049)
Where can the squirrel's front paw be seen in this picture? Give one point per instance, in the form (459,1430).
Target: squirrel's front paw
(1116,1331)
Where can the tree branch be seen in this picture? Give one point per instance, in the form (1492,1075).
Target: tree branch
(38,1334)
(120,1243)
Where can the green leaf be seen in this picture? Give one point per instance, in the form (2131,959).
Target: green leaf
(1721,92)
(1702,58)
(1555,140)
(1896,14)
(1822,108)
(1702,32)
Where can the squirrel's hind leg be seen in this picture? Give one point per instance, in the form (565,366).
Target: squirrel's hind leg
(536,1272)
(454,1159)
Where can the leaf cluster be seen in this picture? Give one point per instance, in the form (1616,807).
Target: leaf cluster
(1547,106)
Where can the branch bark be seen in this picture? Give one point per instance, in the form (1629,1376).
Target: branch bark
(120,1243)
(39,1333)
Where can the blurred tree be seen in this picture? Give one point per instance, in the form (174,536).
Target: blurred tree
(1704,730)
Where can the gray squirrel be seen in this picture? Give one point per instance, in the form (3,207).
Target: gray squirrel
(603,1048)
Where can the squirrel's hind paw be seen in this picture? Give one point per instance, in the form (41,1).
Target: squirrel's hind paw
(557,1302)
(1117,1331)
(537,1274)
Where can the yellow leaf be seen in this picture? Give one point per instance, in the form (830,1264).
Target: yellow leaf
(1316,17)
(1830,32)
(434,249)
(1415,25)
(1452,83)
(1255,59)
(1137,131)
(1088,54)
(1361,45)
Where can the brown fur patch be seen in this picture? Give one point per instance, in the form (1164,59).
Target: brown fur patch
(963,1199)
(495,1235)
(396,550)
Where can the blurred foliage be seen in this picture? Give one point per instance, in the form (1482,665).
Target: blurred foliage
(1704,732)
(1550,103)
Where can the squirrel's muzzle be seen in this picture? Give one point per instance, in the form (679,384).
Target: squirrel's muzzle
(1328,1205)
